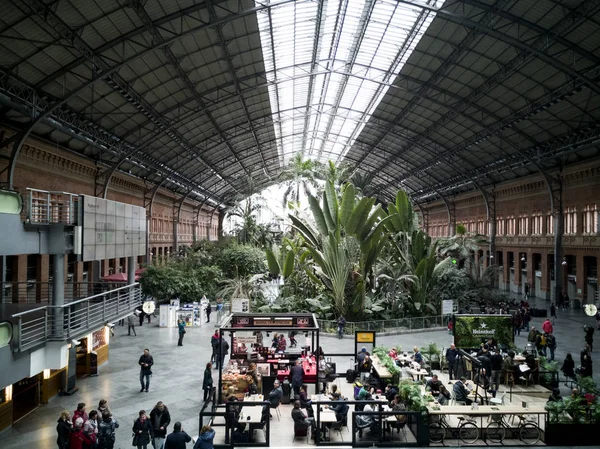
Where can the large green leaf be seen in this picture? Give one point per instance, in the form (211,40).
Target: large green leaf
(307,233)
(272,262)
(322,224)
(332,204)
(359,215)
(288,267)
(347,204)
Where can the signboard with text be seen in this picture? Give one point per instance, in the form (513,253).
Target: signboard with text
(472,330)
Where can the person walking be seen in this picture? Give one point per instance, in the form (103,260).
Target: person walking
(341,324)
(207,383)
(64,427)
(566,301)
(214,342)
(223,351)
(181,328)
(551,345)
(568,367)
(526,319)
(178,439)
(553,312)
(106,431)
(208,312)
(141,431)
(131,325)
(205,439)
(297,373)
(547,326)
(146,361)
(589,336)
(160,418)
(452,358)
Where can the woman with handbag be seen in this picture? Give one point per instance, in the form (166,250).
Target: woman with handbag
(141,431)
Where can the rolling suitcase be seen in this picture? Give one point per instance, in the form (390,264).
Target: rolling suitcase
(350,376)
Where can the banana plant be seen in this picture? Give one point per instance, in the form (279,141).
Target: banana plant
(338,226)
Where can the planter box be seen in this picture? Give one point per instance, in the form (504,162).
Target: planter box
(571,434)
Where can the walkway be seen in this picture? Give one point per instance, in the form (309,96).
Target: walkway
(178,371)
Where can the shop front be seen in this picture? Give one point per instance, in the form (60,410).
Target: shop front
(263,348)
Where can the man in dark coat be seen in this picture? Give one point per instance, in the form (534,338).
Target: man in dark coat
(146,361)
(452,358)
(178,439)
(160,418)
(297,373)
(224,349)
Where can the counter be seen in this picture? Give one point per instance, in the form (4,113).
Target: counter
(310,371)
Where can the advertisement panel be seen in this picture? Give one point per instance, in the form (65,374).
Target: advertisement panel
(472,330)
(112,229)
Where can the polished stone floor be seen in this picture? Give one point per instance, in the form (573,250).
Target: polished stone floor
(177,378)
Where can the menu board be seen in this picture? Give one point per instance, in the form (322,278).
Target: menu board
(98,339)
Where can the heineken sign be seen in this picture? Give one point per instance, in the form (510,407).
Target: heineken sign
(471,330)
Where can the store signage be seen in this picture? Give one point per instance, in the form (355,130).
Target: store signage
(246,340)
(365,337)
(471,330)
(273,322)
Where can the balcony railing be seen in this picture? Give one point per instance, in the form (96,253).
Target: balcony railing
(75,319)
(424,322)
(44,207)
(41,292)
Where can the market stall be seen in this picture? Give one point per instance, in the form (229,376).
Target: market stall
(263,348)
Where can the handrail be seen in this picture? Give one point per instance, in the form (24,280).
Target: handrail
(380,325)
(59,322)
(100,294)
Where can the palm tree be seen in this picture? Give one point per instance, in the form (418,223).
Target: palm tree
(300,176)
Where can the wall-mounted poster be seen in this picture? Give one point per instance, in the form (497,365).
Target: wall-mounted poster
(112,229)
(240,305)
(472,330)
(263,369)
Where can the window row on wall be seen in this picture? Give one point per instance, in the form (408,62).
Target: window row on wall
(164,226)
(584,221)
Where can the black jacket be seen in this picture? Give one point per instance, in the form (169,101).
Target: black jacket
(297,373)
(451,354)
(164,421)
(146,428)
(177,440)
(146,359)
(63,428)
(207,383)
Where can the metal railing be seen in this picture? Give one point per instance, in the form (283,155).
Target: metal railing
(37,326)
(41,292)
(45,207)
(415,323)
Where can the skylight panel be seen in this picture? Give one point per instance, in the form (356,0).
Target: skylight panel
(329,76)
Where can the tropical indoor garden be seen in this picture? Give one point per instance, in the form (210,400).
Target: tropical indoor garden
(335,249)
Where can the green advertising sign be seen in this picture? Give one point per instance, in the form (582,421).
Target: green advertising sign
(471,330)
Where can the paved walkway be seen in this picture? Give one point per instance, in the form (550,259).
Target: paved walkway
(178,371)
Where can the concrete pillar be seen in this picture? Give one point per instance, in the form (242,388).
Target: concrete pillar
(42,276)
(78,290)
(105,265)
(546,284)
(19,278)
(581,283)
(518,273)
(506,271)
(58,292)
(531,272)
(131,267)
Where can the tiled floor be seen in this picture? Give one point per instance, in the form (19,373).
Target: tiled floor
(178,371)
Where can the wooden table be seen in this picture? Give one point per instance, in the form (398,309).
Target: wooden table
(381,371)
(417,375)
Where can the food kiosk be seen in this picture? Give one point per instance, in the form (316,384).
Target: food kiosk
(255,356)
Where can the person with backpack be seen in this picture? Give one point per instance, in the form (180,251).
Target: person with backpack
(540,343)
(106,431)
(551,345)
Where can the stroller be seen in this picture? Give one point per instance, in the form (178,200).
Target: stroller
(292,337)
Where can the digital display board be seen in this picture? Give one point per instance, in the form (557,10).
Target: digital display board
(112,229)
(472,330)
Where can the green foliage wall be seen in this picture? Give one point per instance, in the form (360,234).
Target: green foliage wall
(242,260)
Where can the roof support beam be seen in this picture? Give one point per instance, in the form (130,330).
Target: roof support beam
(138,7)
(238,88)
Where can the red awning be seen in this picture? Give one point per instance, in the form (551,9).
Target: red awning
(118,277)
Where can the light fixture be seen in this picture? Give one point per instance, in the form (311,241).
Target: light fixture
(564,262)
(46,374)
(8,393)
(491,256)
(523,258)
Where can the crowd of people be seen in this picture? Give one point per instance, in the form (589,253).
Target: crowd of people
(97,429)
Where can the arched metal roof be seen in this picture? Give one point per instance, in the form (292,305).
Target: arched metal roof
(435,97)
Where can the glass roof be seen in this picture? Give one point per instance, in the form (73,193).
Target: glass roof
(329,64)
